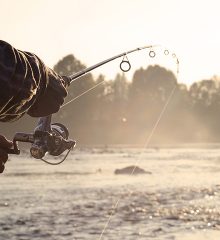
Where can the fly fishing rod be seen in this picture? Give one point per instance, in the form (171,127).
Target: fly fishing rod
(54,138)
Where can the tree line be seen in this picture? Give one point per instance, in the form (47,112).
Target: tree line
(119,111)
(122,111)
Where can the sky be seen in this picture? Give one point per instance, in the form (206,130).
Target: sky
(94,30)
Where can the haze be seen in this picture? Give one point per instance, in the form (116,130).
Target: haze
(98,29)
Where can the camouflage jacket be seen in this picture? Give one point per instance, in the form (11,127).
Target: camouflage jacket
(23,77)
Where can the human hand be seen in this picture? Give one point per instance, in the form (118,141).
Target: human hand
(52,99)
(4,145)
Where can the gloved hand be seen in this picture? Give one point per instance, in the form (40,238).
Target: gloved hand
(4,145)
(52,99)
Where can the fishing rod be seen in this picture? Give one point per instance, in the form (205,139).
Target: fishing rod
(124,61)
(53,138)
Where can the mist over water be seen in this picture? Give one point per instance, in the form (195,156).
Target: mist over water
(179,200)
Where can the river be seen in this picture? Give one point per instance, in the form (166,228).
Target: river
(80,198)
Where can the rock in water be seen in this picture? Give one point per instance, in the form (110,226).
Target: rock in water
(134,170)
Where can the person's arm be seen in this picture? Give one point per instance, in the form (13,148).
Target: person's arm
(27,85)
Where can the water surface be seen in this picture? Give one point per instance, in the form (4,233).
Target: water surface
(179,200)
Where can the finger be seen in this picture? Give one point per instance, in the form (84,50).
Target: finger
(3,156)
(5,143)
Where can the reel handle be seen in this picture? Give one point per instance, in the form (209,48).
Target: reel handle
(19,137)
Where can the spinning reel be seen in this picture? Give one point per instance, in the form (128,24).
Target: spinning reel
(47,138)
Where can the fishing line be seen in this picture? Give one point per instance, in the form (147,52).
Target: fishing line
(125,66)
(83,93)
(152,54)
(65,104)
(139,158)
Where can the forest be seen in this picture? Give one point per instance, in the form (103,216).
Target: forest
(125,112)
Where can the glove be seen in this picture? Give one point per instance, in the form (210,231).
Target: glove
(4,145)
(52,99)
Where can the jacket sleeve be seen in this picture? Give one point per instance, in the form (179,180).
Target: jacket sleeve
(23,77)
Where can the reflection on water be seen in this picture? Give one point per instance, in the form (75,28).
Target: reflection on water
(180,200)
